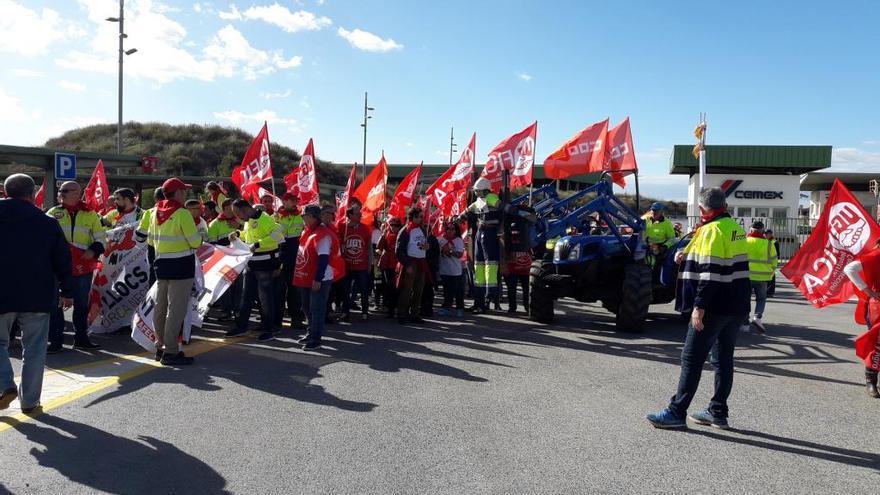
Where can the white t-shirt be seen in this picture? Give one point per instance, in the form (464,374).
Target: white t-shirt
(450,265)
(323,247)
(417,244)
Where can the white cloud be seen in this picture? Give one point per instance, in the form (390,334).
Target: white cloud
(408,144)
(197,8)
(164,53)
(282,17)
(655,154)
(13,111)
(30,33)
(667,187)
(71,86)
(232,15)
(524,76)
(362,40)
(854,160)
(871,142)
(27,73)
(236,117)
(304,102)
(282,94)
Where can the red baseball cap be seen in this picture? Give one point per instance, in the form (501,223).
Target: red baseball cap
(173,185)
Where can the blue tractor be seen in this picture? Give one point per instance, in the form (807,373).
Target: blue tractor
(590,246)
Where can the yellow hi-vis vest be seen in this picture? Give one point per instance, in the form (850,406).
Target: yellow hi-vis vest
(143,230)
(291,225)
(177,237)
(264,233)
(661,232)
(82,230)
(762,259)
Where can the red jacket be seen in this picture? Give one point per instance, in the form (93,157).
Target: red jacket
(388,258)
(356,246)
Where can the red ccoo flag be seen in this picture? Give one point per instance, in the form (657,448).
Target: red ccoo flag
(256,166)
(404,194)
(304,178)
(515,154)
(371,192)
(620,153)
(41,194)
(343,201)
(844,231)
(458,176)
(97,192)
(583,153)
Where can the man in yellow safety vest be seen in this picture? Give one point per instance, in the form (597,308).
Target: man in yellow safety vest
(762,265)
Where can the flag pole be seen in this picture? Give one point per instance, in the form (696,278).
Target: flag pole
(702,158)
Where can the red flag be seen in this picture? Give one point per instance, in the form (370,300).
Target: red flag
(262,191)
(843,231)
(582,154)
(404,194)
(515,154)
(371,192)
(256,166)
(621,155)
(459,176)
(291,181)
(41,194)
(97,193)
(342,201)
(305,178)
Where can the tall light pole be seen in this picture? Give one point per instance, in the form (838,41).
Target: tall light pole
(452,147)
(122,51)
(364,125)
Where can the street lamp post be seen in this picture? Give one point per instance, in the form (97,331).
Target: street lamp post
(122,51)
(452,148)
(364,125)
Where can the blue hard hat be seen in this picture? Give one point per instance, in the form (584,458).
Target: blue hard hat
(658,206)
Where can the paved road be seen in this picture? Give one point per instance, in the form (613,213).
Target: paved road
(493,405)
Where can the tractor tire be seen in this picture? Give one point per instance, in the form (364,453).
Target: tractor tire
(540,298)
(635,298)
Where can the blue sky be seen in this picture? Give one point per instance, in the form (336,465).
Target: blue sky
(766,73)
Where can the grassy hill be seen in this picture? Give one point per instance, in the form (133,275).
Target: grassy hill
(196,150)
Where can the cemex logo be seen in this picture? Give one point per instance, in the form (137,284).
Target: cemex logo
(731,186)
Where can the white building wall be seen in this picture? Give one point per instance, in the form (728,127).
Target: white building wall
(780,195)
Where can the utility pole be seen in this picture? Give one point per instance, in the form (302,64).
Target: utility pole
(122,51)
(364,125)
(451,144)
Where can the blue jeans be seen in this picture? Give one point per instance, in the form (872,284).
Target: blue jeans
(314,305)
(34,333)
(718,337)
(258,283)
(82,286)
(760,290)
(361,280)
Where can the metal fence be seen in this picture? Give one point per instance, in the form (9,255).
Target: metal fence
(789,232)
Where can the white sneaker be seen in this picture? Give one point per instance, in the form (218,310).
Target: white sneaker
(759,326)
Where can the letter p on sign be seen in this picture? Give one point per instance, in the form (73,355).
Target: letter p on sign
(65,166)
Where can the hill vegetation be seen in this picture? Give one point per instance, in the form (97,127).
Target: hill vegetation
(189,150)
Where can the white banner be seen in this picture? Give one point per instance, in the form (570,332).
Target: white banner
(217,269)
(121,283)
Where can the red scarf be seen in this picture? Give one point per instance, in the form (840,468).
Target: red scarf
(81,206)
(756,235)
(710,215)
(166,208)
(284,212)
(410,226)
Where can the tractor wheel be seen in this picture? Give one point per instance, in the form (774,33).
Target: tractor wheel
(634,298)
(540,297)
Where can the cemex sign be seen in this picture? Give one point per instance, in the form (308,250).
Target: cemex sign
(732,186)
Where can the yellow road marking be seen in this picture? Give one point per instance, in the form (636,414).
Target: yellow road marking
(197,347)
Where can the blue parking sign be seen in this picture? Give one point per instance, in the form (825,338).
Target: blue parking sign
(65,166)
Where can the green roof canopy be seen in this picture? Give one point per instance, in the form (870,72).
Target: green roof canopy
(761,160)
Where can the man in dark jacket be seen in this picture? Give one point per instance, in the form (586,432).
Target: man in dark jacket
(411,247)
(38,258)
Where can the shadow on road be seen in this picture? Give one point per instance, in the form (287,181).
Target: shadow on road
(768,441)
(108,463)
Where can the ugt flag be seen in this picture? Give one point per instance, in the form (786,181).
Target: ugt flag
(515,154)
(256,166)
(458,176)
(371,192)
(304,179)
(343,201)
(843,231)
(404,194)
(97,193)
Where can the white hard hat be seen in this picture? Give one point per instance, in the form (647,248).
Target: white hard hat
(482,184)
